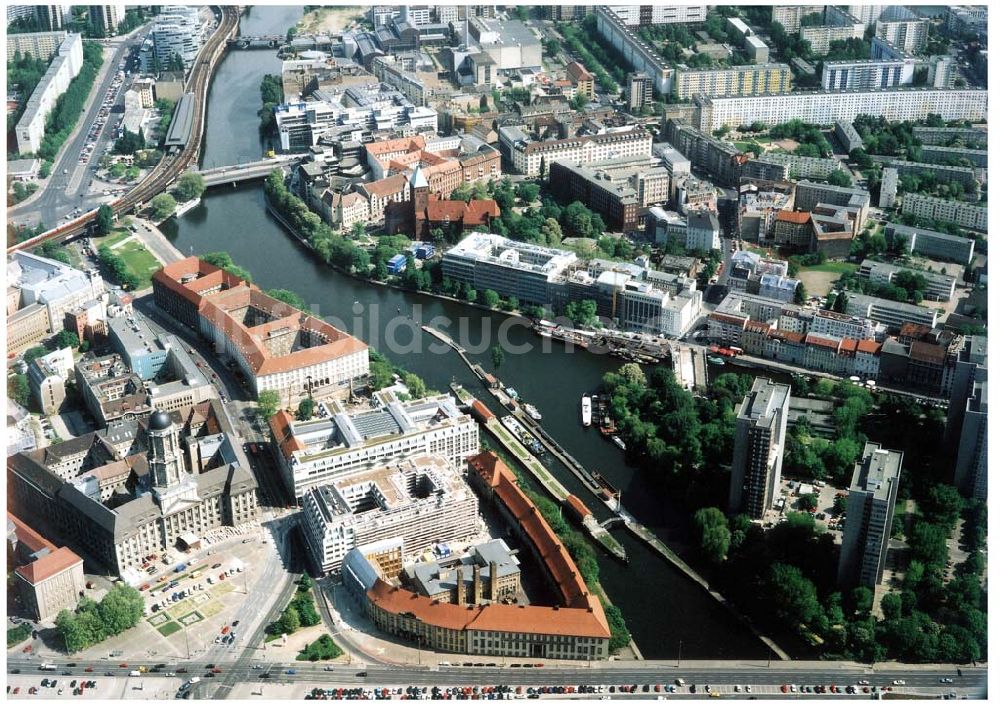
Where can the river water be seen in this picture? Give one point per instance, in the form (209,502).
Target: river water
(661,606)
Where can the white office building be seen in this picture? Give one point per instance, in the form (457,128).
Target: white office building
(368,108)
(422,501)
(178,32)
(317,452)
(758,446)
(527,271)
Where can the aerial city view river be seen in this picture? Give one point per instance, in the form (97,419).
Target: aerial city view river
(664,609)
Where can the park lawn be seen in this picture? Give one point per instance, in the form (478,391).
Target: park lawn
(838,268)
(139,261)
(168,629)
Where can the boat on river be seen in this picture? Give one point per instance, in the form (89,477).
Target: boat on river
(716,360)
(522,434)
(585,410)
(532,412)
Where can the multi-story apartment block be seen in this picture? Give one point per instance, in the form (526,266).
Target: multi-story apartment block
(892,313)
(865,75)
(790,16)
(719,158)
(582,80)
(753,80)
(971,137)
(827,107)
(619,189)
(942,154)
(65,66)
(961,213)
(966,176)
(107,17)
(971,476)
(809,195)
(533,158)
(904,28)
(703,231)
(838,25)
(41,45)
(276,346)
(871,502)
(930,243)
(795,167)
(642,15)
(422,500)
(51,18)
(940,287)
(639,55)
(640,90)
(317,452)
(758,445)
(177,34)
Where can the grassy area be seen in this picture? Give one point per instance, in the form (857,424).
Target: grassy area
(837,268)
(19,634)
(138,260)
(168,629)
(323,648)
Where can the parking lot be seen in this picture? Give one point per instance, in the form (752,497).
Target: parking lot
(29,686)
(789,496)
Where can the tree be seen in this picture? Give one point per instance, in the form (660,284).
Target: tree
(163,206)
(715,536)
(497,354)
(289,621)
(34,352)
(490,298)
(800,293)
(305,411)
(838,177)
(288,297)
(129,143)
(190,186)
(528,192)
(415,385)
(792,595)
(67,339)
(267,403)
(120,609)
(105,219)
(840,505)
(808,502)
(18,389)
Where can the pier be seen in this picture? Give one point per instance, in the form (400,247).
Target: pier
(690,366)
(559,492)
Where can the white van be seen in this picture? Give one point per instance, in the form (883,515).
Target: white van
(135,673)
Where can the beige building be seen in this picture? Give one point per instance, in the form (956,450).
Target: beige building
(754,80)
(50,579)
(26,327)
(154,502)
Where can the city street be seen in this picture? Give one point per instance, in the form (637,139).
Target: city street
(66,191)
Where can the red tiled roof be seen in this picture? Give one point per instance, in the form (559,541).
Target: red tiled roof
(799,217)
(281,430)
(575,622)
(48,566)
(822,342)
(577,506)
(28,536)
(576,71)
(872,347)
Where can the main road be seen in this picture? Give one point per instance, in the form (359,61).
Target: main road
(172,165)
(972,681)
(67,186)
